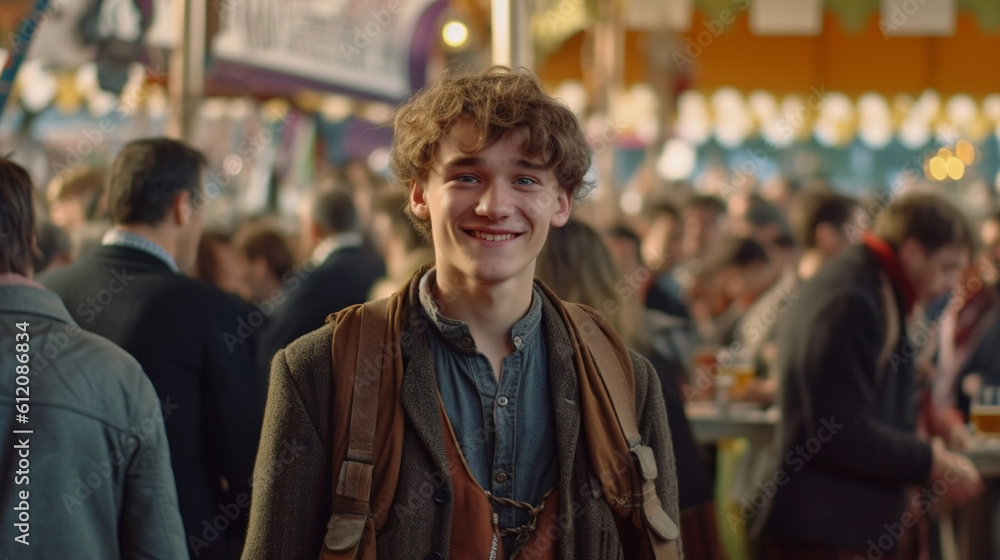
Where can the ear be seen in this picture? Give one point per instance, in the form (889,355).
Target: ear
(418,201)
(564,206)
(181,209)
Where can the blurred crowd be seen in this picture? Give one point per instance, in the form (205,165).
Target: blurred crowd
(696,283)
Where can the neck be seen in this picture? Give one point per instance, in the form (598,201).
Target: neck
(810,262)
(156,234)
(490,310)
(15,279)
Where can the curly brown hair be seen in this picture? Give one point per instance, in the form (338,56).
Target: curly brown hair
(496,101)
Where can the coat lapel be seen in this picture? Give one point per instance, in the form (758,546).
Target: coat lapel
(420,395)
(566,403)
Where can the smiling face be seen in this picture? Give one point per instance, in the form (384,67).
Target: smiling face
(490,211)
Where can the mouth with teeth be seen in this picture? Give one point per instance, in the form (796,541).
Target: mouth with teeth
(492,236)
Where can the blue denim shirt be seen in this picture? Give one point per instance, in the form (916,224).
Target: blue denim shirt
(506,430)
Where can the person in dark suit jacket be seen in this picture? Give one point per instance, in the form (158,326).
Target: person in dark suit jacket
(131,291)
(339,273)
(848,449)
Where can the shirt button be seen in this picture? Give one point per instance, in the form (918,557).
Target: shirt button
(501,477)
(518,342)
(467,342)
(502,401)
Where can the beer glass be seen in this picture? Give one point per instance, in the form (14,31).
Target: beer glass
(985,411)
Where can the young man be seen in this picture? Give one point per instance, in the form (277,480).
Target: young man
(491,445)
(87,469)
(131,290)
(849,455)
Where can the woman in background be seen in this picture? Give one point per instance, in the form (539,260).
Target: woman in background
(578,267)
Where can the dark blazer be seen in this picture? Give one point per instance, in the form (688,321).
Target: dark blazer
(847,444)
(344,279)
(292,505)
(175,327)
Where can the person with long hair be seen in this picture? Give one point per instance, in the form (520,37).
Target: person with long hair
(577,265)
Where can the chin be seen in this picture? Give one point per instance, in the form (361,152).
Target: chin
(495,274)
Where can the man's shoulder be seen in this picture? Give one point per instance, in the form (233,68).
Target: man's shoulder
(91,374)
(61,279)
(115,266)
(310,351)
(853,275)
(854,265)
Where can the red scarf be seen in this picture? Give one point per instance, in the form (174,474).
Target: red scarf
(886,256)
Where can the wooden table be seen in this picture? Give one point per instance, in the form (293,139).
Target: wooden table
(711,423)
(986,456)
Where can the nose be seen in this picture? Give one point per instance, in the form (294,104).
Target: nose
(496,201)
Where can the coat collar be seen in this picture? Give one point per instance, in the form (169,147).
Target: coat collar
(31,300)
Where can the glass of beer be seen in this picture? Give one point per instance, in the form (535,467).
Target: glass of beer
(985,411)
(743,373)
(701,379)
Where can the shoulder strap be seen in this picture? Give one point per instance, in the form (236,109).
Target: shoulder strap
(352,510)
(358,465)
(619,382)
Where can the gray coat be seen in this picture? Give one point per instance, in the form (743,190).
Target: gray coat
(98,478)
(292,479)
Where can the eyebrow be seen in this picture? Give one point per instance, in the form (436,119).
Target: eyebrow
(531,165)
(472,161)
(466,161)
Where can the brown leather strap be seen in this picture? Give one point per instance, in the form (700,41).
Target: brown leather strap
(356,472)
(612,373)
(661,531)
(352,514)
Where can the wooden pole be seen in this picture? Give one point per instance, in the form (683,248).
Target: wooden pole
(511,38)
(609,77)
(187,70)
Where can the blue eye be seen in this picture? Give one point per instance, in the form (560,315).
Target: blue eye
(525,181)
(466,179)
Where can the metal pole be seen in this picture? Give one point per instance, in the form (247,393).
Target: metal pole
(511,40)
(187,70)
(20,48)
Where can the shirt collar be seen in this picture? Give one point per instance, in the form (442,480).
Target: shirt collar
(335,242)
(122,238)
(458,334)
